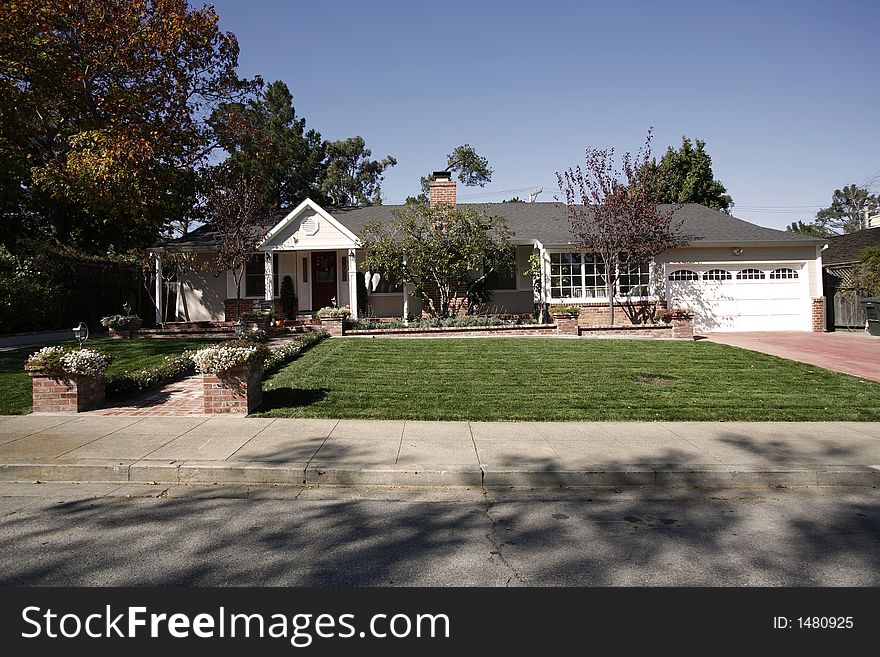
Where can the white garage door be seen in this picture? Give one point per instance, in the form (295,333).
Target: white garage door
(746,297)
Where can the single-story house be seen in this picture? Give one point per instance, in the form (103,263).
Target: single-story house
(734,275)
(843,308)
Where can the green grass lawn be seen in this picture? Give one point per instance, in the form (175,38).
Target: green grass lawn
(15,384)
(534,379)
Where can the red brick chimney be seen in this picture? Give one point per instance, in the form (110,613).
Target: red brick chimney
(441,189)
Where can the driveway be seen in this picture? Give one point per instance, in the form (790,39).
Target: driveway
(851,353)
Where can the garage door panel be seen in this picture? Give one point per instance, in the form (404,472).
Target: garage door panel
(744,303)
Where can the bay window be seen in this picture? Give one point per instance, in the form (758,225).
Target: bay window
(582,276)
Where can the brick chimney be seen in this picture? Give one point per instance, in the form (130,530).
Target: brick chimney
(441,189)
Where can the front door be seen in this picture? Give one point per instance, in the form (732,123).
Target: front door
(323,278)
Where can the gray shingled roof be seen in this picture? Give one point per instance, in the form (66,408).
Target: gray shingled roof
(847,248)
(548,223)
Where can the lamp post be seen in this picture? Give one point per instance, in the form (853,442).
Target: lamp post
(238,327)
(126,308)
(81,333)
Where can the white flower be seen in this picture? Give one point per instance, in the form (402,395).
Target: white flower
(214,360)
(85,362)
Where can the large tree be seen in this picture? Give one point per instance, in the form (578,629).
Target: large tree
(847,212)
(809,228)
(102,107)
(471,169)
(614,212)
(444,253)
(268,142)
(685,176)
(350,176)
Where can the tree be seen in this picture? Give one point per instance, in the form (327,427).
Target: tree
(866,276)
(614,212)
(812,229)
(515,199)
(102,107)
(472,169)
(268,142)
(234,210)
(848,209)
(350,176)
(685,176)
(437,251)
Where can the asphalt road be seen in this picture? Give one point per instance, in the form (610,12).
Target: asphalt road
(104,534)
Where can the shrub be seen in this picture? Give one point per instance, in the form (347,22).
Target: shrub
(290,350)
(562,309)
(258,315)
(69,360)
(435,322)
(866,276)
(329,312)
(288,297)
(172,367)
(122,322)
(217,359)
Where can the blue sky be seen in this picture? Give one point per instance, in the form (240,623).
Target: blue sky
(785,94)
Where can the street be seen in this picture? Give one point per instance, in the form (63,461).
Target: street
(111,534)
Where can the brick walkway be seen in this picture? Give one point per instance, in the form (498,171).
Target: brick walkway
(179,398)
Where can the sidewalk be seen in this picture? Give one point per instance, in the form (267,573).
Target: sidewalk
(201,450)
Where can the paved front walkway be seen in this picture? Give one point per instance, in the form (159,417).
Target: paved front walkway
(372,452)
(852,353)
(178,398)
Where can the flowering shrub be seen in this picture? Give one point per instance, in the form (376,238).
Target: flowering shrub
(328,312)
(435,322)
(223,357)
(69,360)
(172,367)
(121,322)
(565,310)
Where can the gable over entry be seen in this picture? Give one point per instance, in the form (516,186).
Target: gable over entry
(311,228)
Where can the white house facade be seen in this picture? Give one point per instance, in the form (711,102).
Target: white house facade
(734,275)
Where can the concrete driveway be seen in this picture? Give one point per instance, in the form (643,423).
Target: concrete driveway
(851,353)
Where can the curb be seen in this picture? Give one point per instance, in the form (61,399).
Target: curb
(225,472)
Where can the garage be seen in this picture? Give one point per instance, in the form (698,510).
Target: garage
(748,296)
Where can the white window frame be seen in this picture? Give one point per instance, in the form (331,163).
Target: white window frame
(652,296)
(276,273)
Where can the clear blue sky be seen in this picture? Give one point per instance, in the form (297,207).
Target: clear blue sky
(785,94)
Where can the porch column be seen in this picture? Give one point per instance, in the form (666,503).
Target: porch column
(158,289)
(352,284)
(405,297)
(268,278)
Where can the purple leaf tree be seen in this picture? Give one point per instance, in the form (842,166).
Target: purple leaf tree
(614,214)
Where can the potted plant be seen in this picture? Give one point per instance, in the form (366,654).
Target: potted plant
(258,319)
(122,326)
(231,375)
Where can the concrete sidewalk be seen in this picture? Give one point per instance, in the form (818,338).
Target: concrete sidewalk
(300,452)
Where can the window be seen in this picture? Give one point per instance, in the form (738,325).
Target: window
(566,275)
(503,280)
(582,276)
(635,279)
(684,275)
(717,275)
(305,270)
(255,275)
(387,287)
(750,275)
(784,272)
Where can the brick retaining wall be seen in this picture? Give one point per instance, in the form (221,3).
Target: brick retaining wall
(238,390)
(72,394)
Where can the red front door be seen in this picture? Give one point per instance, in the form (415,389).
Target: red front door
(323,279)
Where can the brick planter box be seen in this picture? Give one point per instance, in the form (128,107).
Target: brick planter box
(65,394)
(566,323)
(332,326)
(123,333)
(456,331)
(238,390)
(683,327)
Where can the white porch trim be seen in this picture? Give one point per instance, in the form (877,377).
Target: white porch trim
(159,287)
(291,216)
(268,277)
(352,282)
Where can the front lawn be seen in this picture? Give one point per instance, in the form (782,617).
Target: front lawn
(546,379)
(15,384)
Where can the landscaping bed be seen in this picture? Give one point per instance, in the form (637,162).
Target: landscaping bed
(511,379)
